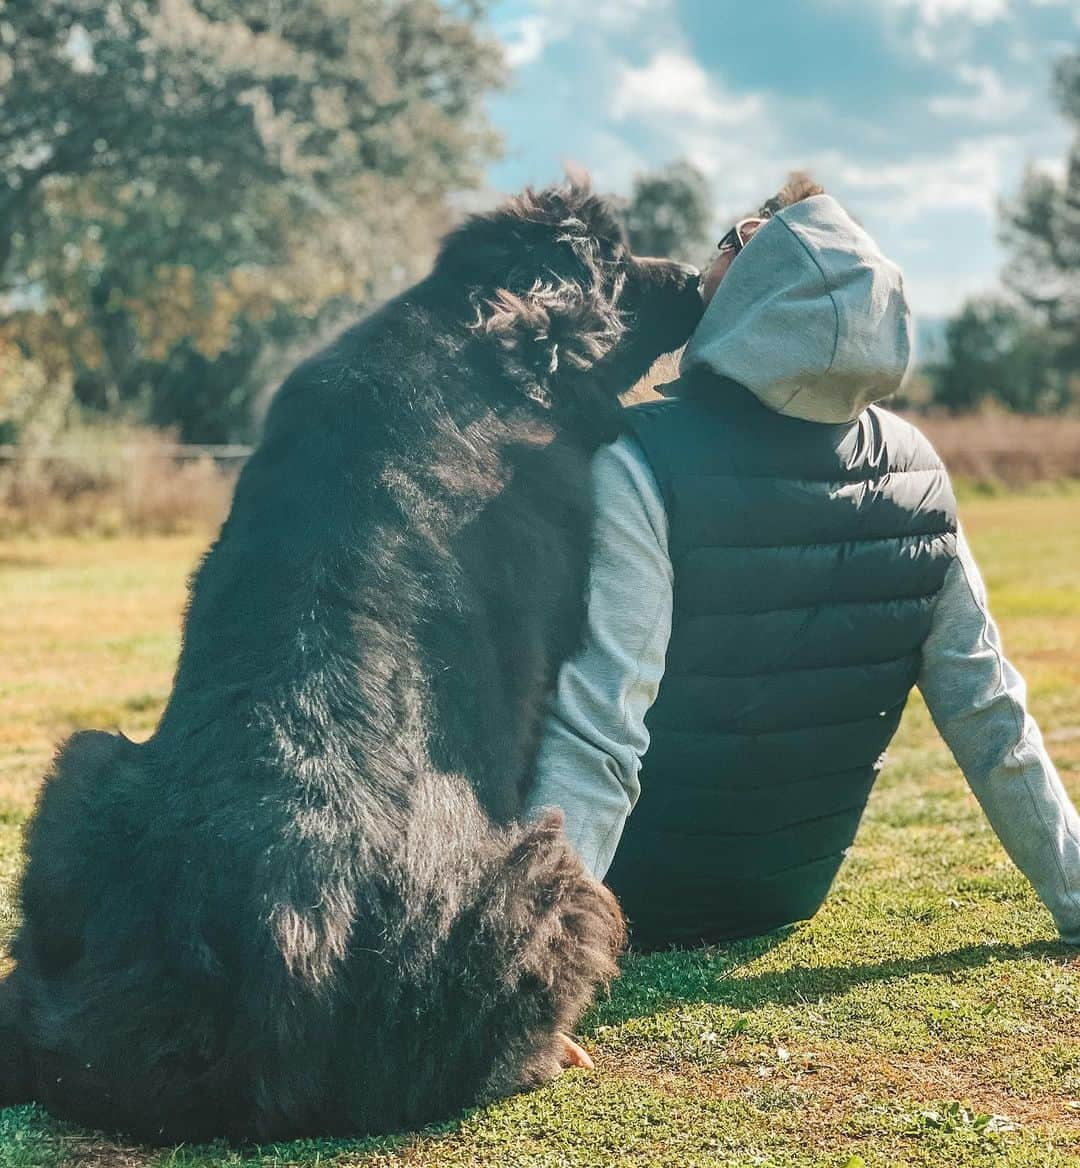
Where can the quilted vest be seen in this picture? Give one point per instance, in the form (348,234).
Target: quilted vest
(807,562)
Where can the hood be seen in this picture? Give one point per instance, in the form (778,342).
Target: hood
(810,317)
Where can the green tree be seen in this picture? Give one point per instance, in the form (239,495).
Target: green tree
(670,212)
(1025,352)
(185,182)
(1042,233)
(994,349)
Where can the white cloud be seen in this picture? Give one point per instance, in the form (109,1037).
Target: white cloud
(988,101)
(938,30)
(941,296)
(1056,166)
(687,112)
(616,11)
(968,179)
(525,40)
(937,12)
(673,84)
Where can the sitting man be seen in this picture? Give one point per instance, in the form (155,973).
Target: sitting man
(777,562)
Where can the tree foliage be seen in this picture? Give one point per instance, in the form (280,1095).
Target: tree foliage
(996,350)
(670,212)
(1042,231)
(1026,352)
(184,183)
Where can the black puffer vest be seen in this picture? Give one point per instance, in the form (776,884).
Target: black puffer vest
(808,559)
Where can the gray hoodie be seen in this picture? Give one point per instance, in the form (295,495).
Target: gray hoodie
(811,317)
(813,320)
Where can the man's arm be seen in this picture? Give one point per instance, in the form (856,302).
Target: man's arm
(594,735)
(978,702)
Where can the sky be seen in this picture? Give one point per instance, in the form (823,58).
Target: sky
(920,115)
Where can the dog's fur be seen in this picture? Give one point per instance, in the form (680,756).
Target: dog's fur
(304,905)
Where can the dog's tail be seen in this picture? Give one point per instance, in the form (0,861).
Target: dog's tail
(14,1063)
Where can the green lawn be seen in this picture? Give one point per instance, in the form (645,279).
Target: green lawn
(926,1016)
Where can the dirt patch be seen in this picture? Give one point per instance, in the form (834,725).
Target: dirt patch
(93,1152)
(833,1084)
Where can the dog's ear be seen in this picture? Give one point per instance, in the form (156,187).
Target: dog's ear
(522,327)
(553,326)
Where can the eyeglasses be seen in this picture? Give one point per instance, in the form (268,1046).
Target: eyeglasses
(740,235)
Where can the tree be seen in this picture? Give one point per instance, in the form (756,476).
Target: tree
(1042,232)
(670,213)
(994,349)
(1025,351)
(183,182)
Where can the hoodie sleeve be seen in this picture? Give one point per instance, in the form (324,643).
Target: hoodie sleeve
(594,735)
(979,703)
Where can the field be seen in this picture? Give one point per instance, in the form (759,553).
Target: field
(927,1016)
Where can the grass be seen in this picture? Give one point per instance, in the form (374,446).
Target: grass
(927,1016)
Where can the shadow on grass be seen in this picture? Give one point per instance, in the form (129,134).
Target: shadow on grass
(31,1138)
(649,985)
(713,976)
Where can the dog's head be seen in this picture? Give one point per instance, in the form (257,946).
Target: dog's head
(575,317)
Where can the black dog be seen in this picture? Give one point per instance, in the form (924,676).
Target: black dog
(303,905)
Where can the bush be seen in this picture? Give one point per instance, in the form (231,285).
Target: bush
(997,352)
(995,448)
(105,480)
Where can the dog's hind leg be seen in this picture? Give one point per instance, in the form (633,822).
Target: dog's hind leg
(75,846)
(550,935)
(518,967)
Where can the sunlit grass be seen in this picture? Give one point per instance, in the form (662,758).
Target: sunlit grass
(927,1016)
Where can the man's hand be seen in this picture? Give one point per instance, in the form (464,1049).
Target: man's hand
(573,1055)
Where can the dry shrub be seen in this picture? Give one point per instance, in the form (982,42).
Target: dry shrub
(104,481)
(1011,450)
(109,480)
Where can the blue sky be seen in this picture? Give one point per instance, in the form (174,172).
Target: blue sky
(919,114)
